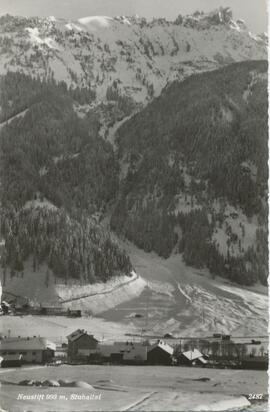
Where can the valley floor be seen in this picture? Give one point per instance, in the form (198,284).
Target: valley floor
(57,328)
(135,388)
(188,302)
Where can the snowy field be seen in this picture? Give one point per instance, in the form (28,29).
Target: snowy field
(135,388)
(187,302)
(90,298)
(166,297)
(56,328)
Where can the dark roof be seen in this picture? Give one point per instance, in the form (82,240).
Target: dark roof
(75,335)
(78,334)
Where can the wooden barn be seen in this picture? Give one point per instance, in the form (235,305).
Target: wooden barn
(160,354)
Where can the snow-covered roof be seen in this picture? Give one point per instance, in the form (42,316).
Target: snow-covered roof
(26,344)
(192,354)
(162,345)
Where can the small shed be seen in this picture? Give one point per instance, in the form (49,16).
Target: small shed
(160,354)
(191,358)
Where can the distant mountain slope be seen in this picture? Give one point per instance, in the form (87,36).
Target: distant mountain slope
(125,55)
(195,167)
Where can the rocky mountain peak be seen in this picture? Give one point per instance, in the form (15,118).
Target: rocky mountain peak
(141,56)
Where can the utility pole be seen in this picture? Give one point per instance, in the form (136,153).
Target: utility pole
(147,307)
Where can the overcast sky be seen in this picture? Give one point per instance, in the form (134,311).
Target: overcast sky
(252,11)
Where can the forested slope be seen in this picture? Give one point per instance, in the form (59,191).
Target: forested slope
(195,163)
(56,174)
(189,175)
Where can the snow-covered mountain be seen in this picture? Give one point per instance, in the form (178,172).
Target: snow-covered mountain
(125,55)
(188,172)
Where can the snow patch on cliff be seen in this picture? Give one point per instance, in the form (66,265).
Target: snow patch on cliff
(35,38)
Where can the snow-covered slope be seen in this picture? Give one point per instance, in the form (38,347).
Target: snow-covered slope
(42,287)
(185,301)
(169,297)
(135,57)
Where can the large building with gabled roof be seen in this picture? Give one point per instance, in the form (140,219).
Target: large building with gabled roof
(78,340)
(33,349)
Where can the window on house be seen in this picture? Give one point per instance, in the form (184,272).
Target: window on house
(33,353)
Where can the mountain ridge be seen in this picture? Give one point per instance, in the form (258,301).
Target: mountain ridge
(93,51)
